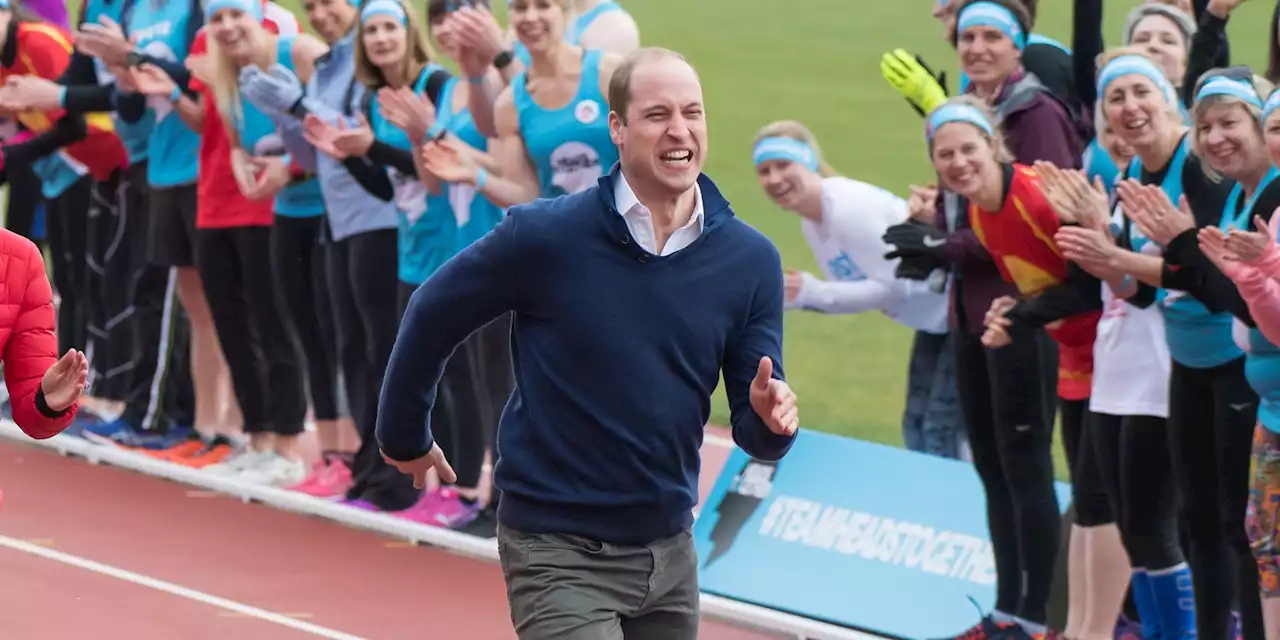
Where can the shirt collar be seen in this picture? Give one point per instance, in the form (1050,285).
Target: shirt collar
(626,201)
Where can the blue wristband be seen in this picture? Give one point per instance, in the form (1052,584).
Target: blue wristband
(62,96)
(175,94)
(476,80)
(482,178)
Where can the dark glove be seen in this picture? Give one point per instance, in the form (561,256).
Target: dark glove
(916,268)
(915,239)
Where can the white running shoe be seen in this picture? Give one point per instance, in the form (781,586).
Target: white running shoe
(275,470)
(241,461)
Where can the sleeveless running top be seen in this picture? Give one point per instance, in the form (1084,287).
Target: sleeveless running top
(1197,338)
(428,235)
(1099,164)
(570,146)
(166,29)
(573,34)
(258,136)
(473,213)
(134,135)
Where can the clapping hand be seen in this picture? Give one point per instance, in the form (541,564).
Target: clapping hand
(321,135)
(420,467)
(447,161)
(151,80)
(1150,208)
(354,141)
(64,381)
(30,93)
(412,113)
(1213,244)
(1072,197)
(1251,247)
(774,401)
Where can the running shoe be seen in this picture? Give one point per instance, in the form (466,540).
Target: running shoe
(209,452)
(328,479)
(122,433)
(362,505)
(1236,631)
(450,511)
(485,524)
(986,629)
(275,470)
(1127,629)
(240,461)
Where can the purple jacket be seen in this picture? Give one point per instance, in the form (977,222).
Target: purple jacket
(1036,127)
(53,11)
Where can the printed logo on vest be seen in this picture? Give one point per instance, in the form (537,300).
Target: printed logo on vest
(587,111)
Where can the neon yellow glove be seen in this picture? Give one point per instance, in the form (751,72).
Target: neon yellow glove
(914,80)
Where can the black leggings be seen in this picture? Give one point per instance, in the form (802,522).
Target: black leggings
(67,223)
(24,200)
(496,381)
(261,353)
(1089,494)
(1132,452)
(1004,409)
(361,271)
(1212,413)
(297,262)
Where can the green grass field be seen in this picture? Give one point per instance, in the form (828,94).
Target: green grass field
(819,63)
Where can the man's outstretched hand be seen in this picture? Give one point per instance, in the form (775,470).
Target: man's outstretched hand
(774,401)
(418,468)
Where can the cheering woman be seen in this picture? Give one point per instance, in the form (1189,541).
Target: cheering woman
(552,124)
(843,220)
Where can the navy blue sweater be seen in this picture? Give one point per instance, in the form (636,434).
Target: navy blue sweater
(616,352)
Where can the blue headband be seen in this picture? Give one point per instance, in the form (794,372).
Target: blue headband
(251,7)
(1140,65)
(789,149)
(384,8)
(948,113)
(1224,86)
(1273,103)
(990,14)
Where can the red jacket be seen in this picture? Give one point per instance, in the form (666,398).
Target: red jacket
(27,340)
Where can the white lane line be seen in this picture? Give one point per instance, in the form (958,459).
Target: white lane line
(173,589)
(717,441)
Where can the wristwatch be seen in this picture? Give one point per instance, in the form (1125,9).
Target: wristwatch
(503,59)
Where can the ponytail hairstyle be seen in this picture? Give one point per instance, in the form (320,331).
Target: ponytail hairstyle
(226,72)
(807,151)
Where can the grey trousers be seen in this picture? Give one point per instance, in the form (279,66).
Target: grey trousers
(565,587)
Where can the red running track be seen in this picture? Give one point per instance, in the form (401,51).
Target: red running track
(303,568)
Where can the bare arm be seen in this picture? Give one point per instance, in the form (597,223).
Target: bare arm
(614,32)
(517,182)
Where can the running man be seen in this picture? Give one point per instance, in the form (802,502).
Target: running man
(599,474)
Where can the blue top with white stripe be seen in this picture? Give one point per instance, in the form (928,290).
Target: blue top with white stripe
(569,146)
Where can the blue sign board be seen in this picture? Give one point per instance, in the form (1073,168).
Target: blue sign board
(852,533)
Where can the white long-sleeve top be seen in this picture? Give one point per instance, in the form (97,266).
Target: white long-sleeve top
(848,246)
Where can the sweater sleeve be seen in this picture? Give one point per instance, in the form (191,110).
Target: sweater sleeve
(962,245)
(476,286)
(1262,294)
(1080,293)
(32,348)
(762,336)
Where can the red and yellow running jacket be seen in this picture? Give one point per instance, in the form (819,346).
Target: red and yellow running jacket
(1019,238)
(44,50)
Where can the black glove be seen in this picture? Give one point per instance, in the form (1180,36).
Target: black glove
(914,238)
(916,268)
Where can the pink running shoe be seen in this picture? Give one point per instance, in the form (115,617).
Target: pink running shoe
(450,512)
(327,480)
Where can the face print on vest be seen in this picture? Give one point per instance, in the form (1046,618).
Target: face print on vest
(269,145)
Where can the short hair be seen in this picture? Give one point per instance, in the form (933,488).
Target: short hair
(620,82)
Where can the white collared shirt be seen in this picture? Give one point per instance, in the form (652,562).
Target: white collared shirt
(640,220)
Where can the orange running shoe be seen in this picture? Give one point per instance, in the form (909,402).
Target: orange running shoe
(184,449)
(208,453)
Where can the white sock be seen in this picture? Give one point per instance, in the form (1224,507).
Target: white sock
(1030,627)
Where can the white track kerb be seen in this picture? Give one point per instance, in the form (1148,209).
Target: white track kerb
(484,549)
